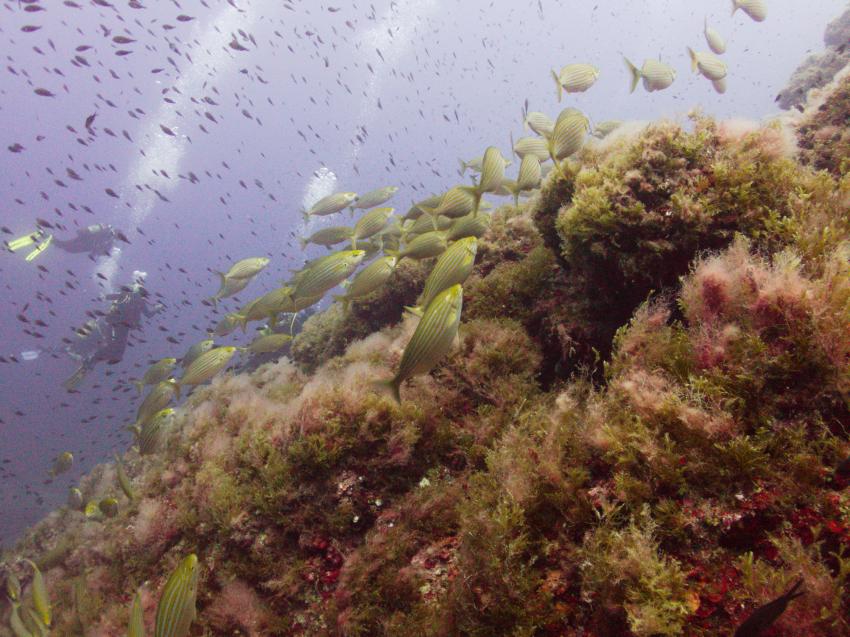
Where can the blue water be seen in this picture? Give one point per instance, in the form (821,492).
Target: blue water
(378,93)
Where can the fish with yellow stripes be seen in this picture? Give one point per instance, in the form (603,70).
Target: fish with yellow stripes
(431,340)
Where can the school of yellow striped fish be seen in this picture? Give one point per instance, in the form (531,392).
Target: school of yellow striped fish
(443,228)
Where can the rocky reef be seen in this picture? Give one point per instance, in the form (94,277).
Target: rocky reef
(818,69)
(639,431)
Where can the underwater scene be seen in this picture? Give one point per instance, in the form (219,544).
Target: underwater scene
(349,318)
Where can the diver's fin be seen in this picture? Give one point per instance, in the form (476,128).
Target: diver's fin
(40,248)
(24,241)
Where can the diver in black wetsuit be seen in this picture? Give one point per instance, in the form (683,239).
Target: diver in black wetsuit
(105,340)
(96,240)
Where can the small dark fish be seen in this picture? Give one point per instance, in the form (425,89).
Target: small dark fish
(90,120)
(121,236)
(184,18)
(29,28)
(764,616)
(15,148)
(44,92)
(234,44)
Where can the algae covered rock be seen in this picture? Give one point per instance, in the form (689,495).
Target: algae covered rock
(819,69)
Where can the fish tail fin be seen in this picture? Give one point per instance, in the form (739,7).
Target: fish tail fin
(306,216)
(463,167)
(558,84)
(303,243)
(393,385)
(140,385)
(735,6)
(693,55)
(214,301)
(22,242)
(40,248)
(635,71)
(353,242)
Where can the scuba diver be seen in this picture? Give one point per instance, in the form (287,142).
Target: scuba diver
(96,240)
(104,340)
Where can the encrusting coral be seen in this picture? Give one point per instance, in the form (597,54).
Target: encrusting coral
(635,434)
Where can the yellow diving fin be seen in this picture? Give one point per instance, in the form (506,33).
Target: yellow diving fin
(40,248)
(24,241)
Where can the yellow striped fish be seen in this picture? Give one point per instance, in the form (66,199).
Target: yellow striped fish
(529,173)
(575,78)
(415,210)
(157,399)
(455,202)
(108,506)
(472,225)
(123,479)
(156,373)
(370,224)
(327,274)
(453,267)
(715,41)
(492,170)
(375,198)
(64,461)
(539,122)
(328,237)
(756,9)
(531,146)
(136,627)
(75,499)
(176,609)
(331,204)
(267,343)
(16,624)
(151,434)
(226,325)
(228,288)
(34,624)
(246,268)
(432,338)
(13,587)
(711,66)
(571,128)
(264,306)
(204,367)
(426,223)
(655,74)
(473,164)
(425,246)
(603,129)
(368,280)
(40,599)
(196,350)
